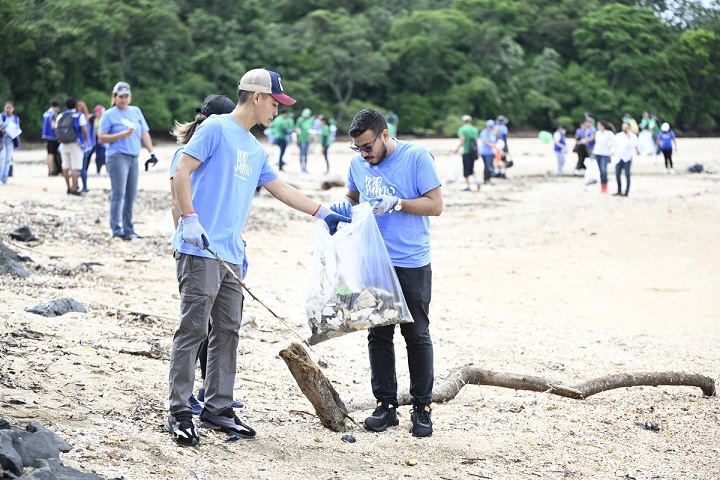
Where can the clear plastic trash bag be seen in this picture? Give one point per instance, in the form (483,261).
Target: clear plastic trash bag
(353,285)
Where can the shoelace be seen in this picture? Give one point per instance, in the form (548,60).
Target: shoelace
(184,418)
(379,411)
(422,414)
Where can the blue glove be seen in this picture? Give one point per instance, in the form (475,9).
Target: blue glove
(332,219)
(150,160)
(245,263)
(193,232)
(342,208)
(383,204)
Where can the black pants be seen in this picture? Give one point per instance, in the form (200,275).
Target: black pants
(468,160)
(668,158)
(325,155)
(282,143)
(202,354)
(416,284)
(582,154)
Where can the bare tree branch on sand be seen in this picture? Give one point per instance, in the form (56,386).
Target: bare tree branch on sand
(333,412)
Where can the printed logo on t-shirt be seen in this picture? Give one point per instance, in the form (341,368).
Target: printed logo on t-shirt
(374,187)
(242,169)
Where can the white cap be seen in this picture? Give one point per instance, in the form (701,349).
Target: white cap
(665,127)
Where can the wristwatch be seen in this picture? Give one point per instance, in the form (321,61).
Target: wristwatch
(398,205)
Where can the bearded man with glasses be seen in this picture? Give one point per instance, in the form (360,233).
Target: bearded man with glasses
(401,182)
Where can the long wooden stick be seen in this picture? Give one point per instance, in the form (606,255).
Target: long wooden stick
(333,412)
(460,377)
(242,284)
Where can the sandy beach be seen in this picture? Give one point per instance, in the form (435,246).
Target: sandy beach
(534,275)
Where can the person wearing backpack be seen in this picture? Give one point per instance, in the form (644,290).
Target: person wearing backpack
(71,131)
(124,129)
(468,134)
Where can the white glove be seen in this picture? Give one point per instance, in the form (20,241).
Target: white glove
(383,204)
(193,232)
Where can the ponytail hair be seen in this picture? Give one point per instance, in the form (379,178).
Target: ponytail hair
(183,132)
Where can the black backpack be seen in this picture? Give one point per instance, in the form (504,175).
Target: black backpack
(65,128)
(473,152)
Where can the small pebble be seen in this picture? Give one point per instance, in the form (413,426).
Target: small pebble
(348,438)
(411,462)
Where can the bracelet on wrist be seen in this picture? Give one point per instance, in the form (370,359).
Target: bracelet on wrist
(186,214)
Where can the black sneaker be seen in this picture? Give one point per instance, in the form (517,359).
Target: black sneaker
(383,417)
(227,422)
(421,422)
(181,425)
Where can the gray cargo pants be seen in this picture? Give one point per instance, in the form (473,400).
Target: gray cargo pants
(206,289)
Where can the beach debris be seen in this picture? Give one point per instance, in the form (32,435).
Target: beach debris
(329,408)
(10,263)
(468,375)
(155,352)
(347,438)
(349,312)
(56,308)
(411,462)
(23,234)
(331,181)
(651,426)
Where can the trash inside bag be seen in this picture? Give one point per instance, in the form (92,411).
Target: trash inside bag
(353,285)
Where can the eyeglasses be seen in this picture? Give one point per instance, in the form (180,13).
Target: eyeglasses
(367,148)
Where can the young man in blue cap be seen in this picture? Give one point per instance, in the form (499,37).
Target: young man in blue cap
(215,181)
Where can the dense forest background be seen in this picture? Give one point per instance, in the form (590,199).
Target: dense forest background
(538,62)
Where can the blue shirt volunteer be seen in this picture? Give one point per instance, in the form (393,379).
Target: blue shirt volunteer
(409,172)
(233,165)
(115,120)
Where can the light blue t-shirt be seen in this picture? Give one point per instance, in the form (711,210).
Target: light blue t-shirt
(115,120)
(503,131)
(233,165)
(175,160)
(408,173)
(491,137)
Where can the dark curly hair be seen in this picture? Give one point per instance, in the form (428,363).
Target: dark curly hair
(368,119)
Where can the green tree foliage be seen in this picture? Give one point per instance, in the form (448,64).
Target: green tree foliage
(341,57)
(431,61)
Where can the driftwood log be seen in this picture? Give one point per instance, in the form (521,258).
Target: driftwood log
(332,411)
(329,408)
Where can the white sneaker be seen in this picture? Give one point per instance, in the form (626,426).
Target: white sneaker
(672,171)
